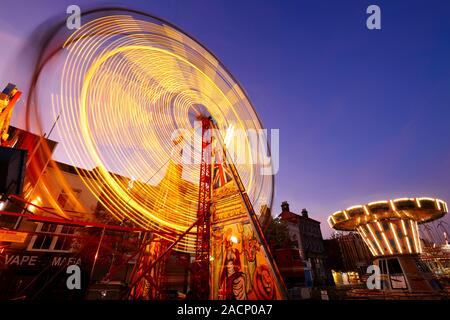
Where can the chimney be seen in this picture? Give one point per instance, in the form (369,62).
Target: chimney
(285,206)
(305,213)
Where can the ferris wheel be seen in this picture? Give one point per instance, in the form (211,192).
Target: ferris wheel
(164,136)
(132,85)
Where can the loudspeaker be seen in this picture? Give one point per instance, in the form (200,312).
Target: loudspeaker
(12,170)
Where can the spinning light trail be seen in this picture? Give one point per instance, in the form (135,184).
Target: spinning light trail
(128,84)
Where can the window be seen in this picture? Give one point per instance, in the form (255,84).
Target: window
(397,279)
(62,199)
(43,241)
(65,202)
(422,266)
(382,265)
(394,267)
(47,241)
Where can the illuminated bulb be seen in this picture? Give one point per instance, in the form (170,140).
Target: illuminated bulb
(35,202)
(418,202)
(331,221)
(346,215)
(366,210)
(392,205)
(234,239)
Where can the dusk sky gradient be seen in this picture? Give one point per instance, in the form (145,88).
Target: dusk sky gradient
(363,114)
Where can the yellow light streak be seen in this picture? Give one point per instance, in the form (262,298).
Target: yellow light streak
(438,205)
(345,214)
(386,242)
(126,86)
(331,221)
(367,241)
(403,199)
(354,207)
(418,202)
(405,232)
(392,205)
(366,210)
(413,230)
(418,236)
(426,198)
(394,232)
(375,239)
(377,202)
(380,228)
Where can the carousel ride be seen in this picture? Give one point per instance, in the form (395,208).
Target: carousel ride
(390,230)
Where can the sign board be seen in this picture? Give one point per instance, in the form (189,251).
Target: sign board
(24,260)
(398,282)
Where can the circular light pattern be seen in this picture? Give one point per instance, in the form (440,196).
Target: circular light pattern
(130,84)
(390,227)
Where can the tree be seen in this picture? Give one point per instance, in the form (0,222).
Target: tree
(277,235)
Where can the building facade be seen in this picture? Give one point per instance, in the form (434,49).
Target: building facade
(348,258)
(33,265)
(59,221)
(307,235)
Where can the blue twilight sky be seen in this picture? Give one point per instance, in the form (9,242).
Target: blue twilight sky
(363,115)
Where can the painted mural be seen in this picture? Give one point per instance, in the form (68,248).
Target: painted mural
(241,268)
